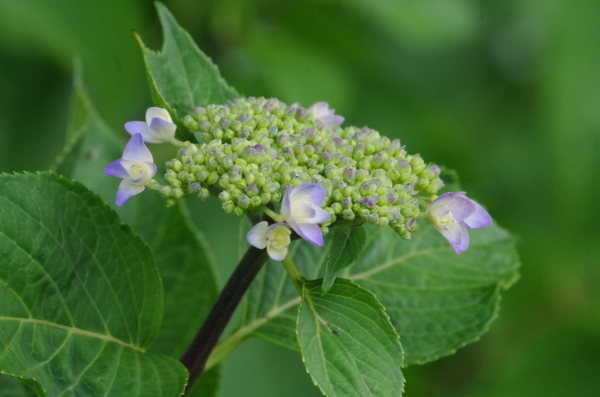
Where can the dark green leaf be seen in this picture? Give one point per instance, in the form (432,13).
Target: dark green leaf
(82,298)
(181,76)
(346,246)
(188,278)
(348,343)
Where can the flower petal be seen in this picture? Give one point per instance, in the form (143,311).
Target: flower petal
(116,169)
(154,112)
(136,150)
(457,236)
(320,109)
(138,127)
(332,121)
(277,254)
(310,192)
(257,236)
(320,215)
(285,203)
(126,191)
(479,218)
(310,232)
(161,130)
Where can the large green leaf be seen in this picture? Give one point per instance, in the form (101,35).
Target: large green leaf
(438,301)
(349,346)
(182,256)
(181,76)
(82,298)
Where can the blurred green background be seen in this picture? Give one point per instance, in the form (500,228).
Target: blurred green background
(506,92)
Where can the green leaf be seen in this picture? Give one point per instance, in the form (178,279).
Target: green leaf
(82,298)
(346,247)
(182,256)
(348,344)
(438,301)
(181,76)
(184,265)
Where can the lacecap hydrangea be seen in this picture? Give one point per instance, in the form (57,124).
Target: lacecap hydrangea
(253,149)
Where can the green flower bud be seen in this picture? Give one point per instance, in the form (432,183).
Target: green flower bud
(255,201)
(243,202)
(213,177)
(238,211)
(228,206)
(177,193)
(203,194)
(165,192)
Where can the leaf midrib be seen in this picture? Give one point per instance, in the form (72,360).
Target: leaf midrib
(73,330)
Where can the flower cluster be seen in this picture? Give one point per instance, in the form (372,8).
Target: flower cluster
(255,150)
(252,149)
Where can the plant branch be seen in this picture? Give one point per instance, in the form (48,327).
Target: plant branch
(197,354)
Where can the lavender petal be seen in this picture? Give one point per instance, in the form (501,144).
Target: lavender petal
(309,191)
(126,191)
(136,150)
(116,169)
(162,130)
(310,232)
(257,236)
(154,112)
(479,218)
(137,127)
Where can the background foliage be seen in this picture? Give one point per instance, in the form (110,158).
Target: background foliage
(505,92)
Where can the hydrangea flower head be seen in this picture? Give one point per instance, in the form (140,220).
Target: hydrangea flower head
(301,207)
(321,112)
(136,167)
(158,127)
(249,150)
(452,214)
(276,238)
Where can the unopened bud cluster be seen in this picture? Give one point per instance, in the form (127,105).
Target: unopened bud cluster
(252,148)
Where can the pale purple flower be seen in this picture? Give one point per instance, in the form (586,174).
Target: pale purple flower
(136,167)
(322,113)
(302,210)
(158,127)
(276,238)
(452,214)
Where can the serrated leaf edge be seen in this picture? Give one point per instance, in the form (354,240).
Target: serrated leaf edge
(379,306)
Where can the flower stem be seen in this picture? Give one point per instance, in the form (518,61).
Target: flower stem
(207,337)
(273,215)
(293,273)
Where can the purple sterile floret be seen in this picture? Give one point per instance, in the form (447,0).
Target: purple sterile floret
(453,213)
(301,207)
(325,116)
(136,168)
